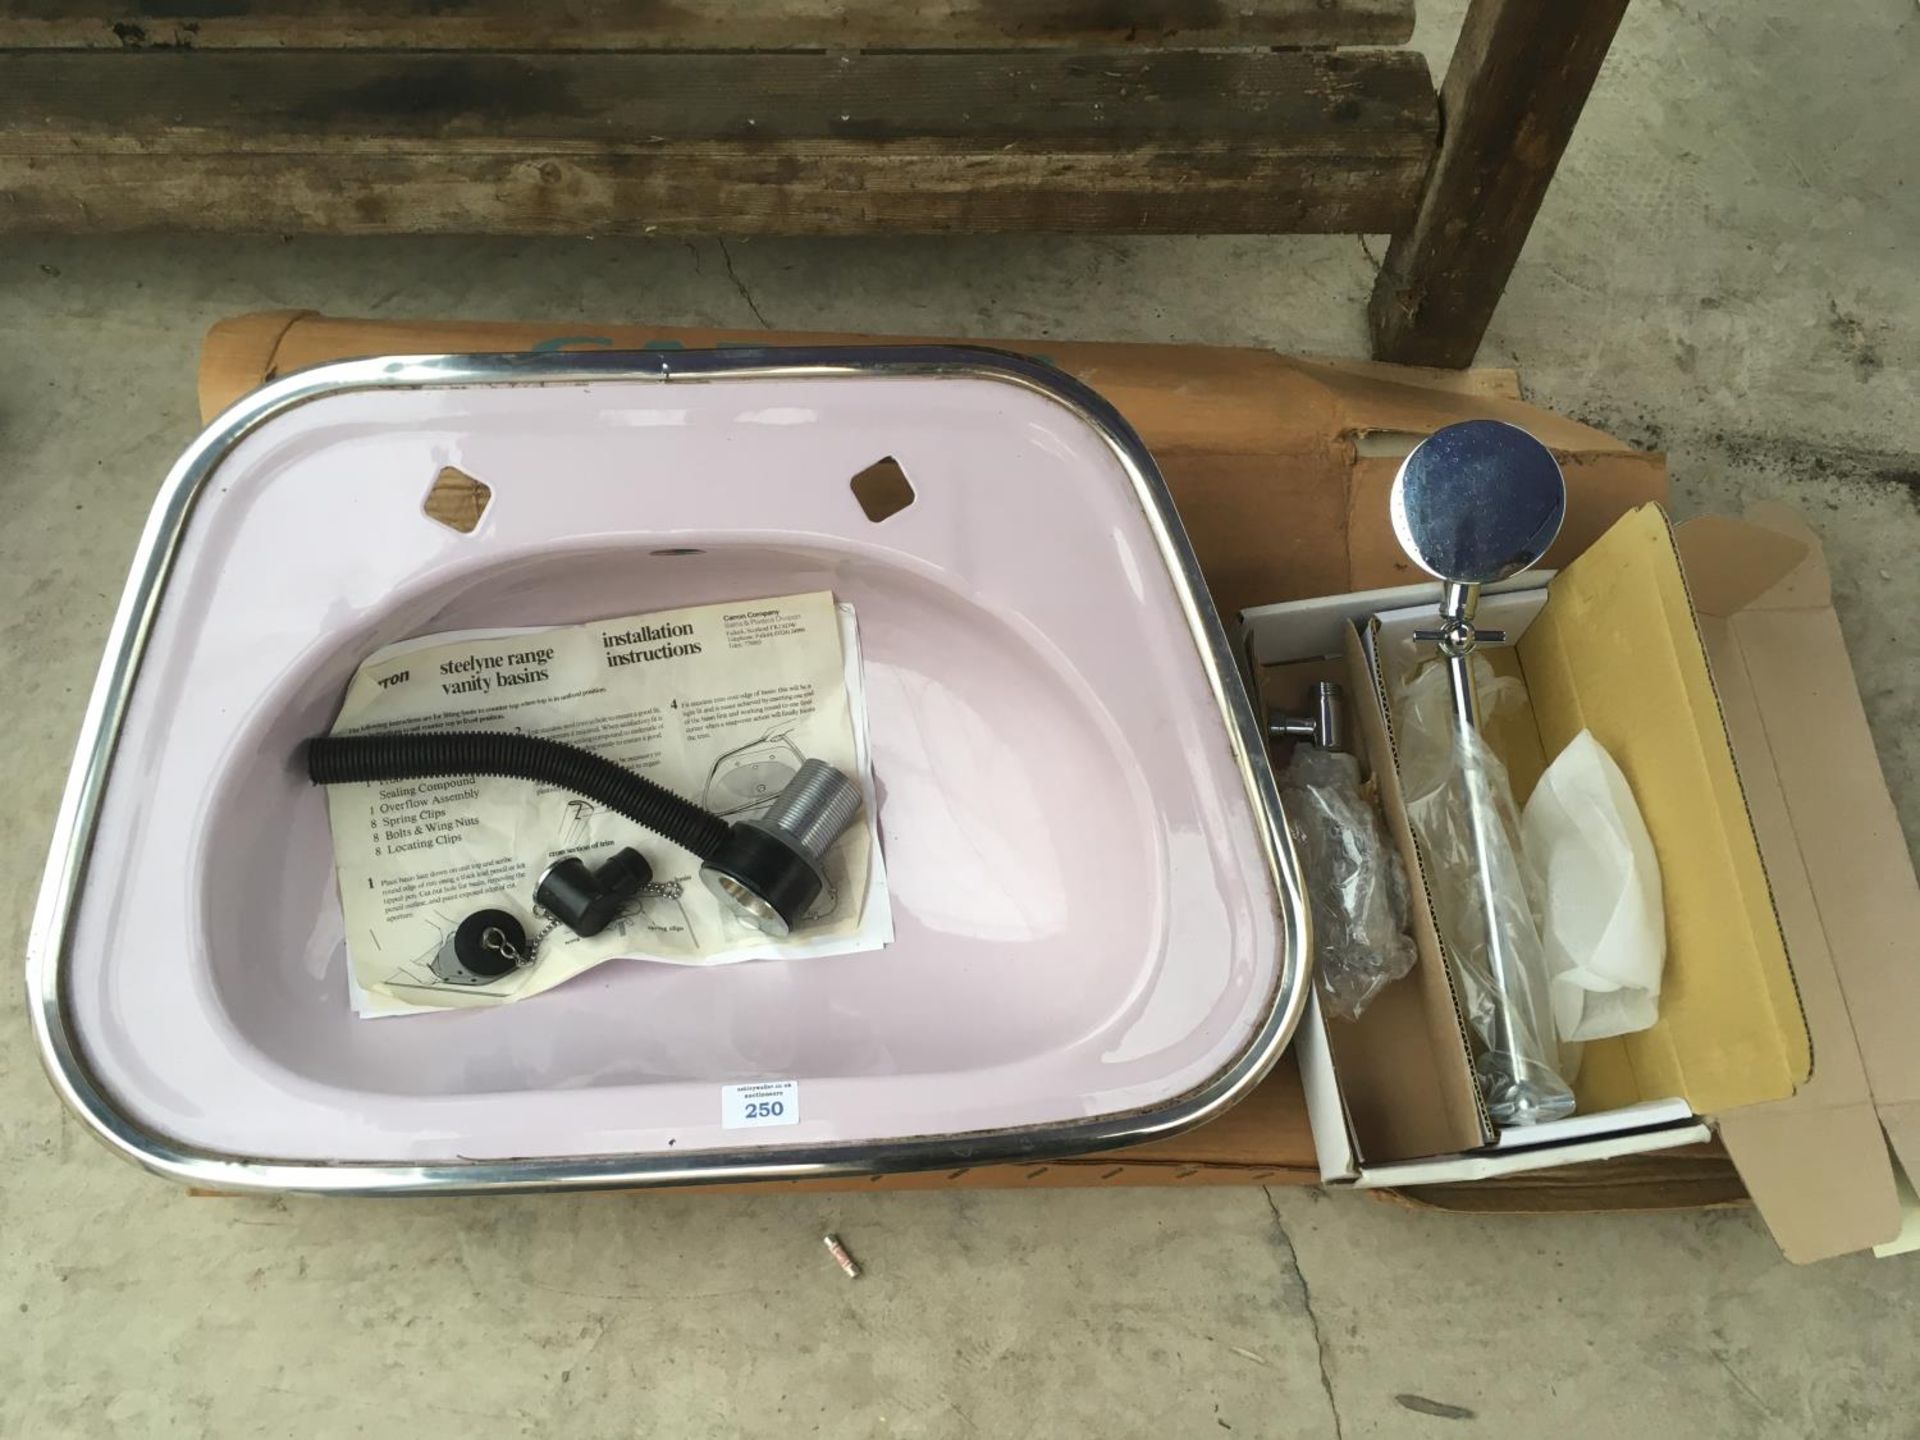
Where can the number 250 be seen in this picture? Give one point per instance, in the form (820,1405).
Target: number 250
(765,1109)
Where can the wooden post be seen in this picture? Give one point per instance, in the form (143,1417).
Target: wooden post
(1518,81)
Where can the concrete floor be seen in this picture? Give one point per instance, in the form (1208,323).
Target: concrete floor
(1726,268)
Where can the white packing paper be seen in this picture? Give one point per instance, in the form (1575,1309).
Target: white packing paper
(719,703)
(1604,924)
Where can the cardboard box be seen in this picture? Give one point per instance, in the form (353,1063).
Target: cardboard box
(1281,468)
(1708,661)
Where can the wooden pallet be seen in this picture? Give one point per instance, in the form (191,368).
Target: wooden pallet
(643,117)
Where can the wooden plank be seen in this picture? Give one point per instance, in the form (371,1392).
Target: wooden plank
(364,142)
(686,193)
(1518,81)
(693,25)
(250,102)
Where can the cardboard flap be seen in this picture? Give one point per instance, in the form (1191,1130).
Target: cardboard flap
(1844,877)
(1809,584)
(1820,1178)
(1815,1163)
(1908,1240)
(1901,1121)
(1732,565)
(1616,651)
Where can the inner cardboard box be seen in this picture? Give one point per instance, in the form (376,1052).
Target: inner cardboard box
(1618,644)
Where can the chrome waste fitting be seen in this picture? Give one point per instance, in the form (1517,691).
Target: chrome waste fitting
(768,869)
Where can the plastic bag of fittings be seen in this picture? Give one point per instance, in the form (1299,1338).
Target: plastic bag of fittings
(1603,923)
(1442,765)
(1355,883)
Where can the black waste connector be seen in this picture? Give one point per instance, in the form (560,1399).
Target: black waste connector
(588,899)
(770,868)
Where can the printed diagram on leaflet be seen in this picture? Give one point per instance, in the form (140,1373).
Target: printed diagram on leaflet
(748,777)
(659,908)
(472,954)
(579,823)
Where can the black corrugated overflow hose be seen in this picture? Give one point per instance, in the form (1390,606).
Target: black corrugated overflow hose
(349,759)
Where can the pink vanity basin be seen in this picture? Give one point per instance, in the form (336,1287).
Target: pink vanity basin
(1099,926)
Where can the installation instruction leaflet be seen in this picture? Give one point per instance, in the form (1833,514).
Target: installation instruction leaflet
(718,703)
